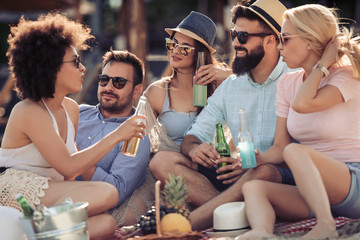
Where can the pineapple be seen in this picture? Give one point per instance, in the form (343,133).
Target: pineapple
(175,193)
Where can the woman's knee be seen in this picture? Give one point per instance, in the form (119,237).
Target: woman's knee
(257,188)
(291,149)
(155,162)
(109,193)
(101,226)
(109,223)
(252,185)
(163,162)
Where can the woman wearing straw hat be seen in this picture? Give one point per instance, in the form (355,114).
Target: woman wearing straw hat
(171,98)
(319,106)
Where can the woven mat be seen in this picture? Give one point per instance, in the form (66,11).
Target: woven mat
(347,229)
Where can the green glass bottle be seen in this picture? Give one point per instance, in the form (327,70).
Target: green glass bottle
(25,206)
(221,145)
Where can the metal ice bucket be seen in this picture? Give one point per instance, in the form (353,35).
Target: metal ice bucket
(66,221)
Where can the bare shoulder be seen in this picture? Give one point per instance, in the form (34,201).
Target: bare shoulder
(155,88)
(26,107)
(71,104)
(26,116)
(155,93)
(72,108)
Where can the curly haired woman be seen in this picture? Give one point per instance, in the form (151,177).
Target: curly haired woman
(38,154)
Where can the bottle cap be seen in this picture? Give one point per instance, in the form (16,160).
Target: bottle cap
(18,196)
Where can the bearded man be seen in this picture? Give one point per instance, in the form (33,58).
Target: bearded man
(119,85)
(257,66)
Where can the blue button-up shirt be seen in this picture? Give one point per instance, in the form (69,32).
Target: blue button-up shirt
(237,92)
(124,172)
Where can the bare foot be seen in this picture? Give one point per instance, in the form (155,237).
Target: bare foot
(323,229)
(254,234)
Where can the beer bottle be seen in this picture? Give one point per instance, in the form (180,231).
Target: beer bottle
(221,146)
(245,144)
(131,146)
(25,206)
(199,91)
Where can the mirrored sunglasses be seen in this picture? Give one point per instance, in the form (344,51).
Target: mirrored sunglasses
(118,82)
(76,61)
(184,49)
(243,37)
(284,38)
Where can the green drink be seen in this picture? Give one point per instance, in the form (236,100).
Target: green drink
(25,206)
(199,91)
(221,146)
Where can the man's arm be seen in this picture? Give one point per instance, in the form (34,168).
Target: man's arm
(282,139)
(189,143)
(199,152)
(124,172)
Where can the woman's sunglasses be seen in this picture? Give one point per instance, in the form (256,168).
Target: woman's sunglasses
(118,82)
(284,38)
(76,61)
(243,37)
(184,50)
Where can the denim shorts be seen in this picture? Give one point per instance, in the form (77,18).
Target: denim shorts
(210,173)
(286,175)
(350,207)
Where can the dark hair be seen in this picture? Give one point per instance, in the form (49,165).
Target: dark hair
(129,58)
(36,51)
(240,10)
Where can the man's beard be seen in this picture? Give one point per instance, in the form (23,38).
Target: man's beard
(116,107)
(243,65)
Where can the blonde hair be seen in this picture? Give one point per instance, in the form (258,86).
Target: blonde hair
(318,25)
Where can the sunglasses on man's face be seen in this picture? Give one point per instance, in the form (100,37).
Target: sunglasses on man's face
(284,38)
(184,49)
(118,82)
(243,37)
(76,61)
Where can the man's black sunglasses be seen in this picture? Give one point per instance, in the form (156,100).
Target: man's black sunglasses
(76,61)
(243,37)
(118,82)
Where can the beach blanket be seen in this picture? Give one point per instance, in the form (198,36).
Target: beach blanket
(347,229)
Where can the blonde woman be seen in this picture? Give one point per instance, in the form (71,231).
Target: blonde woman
(319,106)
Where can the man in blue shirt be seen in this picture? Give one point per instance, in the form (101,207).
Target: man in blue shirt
(257,66)
(120,84)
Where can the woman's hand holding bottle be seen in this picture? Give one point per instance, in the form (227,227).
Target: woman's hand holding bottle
(209,73)
(132,127)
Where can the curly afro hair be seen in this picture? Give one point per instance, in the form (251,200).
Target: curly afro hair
(36,51)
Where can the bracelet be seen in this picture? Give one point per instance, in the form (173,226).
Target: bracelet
(323,69)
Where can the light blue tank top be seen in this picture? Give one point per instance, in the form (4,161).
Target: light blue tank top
(175,122)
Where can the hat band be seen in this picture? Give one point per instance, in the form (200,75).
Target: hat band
(268,17)
(194,30)
(228,230)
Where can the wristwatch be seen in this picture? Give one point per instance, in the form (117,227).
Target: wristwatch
(323,69)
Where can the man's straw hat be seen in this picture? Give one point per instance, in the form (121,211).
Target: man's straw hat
(271,11)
